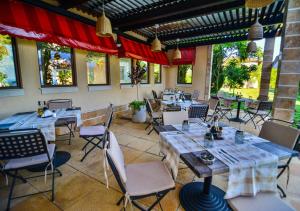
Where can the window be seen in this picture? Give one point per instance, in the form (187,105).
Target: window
(125,70)
(145,78)
(9,75)
(56,65)
(157,73)
(185,74)
(97,68)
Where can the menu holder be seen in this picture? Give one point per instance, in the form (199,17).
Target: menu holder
(205,157)
(73,109)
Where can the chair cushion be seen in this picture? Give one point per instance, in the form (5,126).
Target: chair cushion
(261,202)
(147,178)
(92,130)
(157,115)
(29,161)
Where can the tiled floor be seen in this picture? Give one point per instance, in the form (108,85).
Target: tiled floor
(82,186)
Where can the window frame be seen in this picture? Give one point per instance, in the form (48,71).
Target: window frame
(148,72)
(178,75)
(131,62)
(108,82)
(160,69)
(73,66)
(16,64)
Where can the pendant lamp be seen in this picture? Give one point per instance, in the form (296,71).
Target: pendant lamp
(177,53)
(156,45)
(257,3)
(256,31)
(252,48)
(103,25)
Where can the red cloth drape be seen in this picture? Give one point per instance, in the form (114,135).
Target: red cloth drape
(26,21)
(141,51)
(187,56)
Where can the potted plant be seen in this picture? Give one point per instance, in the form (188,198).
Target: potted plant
(138,107)
(138,111)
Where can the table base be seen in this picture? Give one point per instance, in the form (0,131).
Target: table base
(236,120)
(193,198)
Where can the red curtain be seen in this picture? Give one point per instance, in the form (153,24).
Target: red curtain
(141,51)
(187,56)
(30,22)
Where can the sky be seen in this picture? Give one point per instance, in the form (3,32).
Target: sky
(261,43)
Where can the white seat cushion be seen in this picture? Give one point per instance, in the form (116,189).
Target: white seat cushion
(29,161)
(157,115)
(261,202)
(92,130)
(147,178)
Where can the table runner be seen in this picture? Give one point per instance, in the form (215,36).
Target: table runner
(46,125)
(255,170)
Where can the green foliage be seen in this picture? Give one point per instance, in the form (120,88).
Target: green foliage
(273,78)
(4,40)
(94,57)
(223,54)
(64,76)
(184,74)
(237,73)
(136,105)
(3,78)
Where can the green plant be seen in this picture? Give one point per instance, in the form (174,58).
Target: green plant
(64,76)
(136,104)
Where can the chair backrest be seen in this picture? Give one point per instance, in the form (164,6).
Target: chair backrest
(279,134)
(59,104)
(22,143)
(196,94)
(109,115)
(198,111)
(115,159)
(175,117)
(187,96)
(213,103)
(154,94)
(265,106)
(149,108)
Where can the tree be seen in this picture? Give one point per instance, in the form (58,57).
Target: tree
(237,73)
(223,54)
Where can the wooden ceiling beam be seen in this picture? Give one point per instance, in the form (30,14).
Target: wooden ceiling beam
(192,32)
(67,4)
(174,12)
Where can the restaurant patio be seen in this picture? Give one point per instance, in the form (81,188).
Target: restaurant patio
(110,104)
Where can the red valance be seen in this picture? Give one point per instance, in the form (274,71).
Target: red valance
(187,56)
(26,21)
(141,51)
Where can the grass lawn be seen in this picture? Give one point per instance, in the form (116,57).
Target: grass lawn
(253,94)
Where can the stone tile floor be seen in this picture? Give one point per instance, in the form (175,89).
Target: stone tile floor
(82,186)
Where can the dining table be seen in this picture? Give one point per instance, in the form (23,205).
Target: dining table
(31,120)
(183,104)
(187,145)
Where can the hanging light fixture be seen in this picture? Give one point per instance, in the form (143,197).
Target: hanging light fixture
(156,45)
(177,53)
(257,3)
(103,25)
(256,31)
(252,48)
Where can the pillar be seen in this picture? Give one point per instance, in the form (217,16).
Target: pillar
(208,72)
(266,68)
(289,67)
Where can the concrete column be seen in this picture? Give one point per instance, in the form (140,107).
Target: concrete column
(266,68)
(289,72)
(208,73)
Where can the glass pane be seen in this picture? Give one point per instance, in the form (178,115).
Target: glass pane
(125,70)
(144,64)
(185,74)
(157,73)
(55,64)
(7,65)
(96,68)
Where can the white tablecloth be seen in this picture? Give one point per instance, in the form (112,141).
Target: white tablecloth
(46,125)
(253,170)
